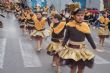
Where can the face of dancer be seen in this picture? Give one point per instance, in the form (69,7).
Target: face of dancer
(55,20)
(39,15)
(79,17)
(105,15)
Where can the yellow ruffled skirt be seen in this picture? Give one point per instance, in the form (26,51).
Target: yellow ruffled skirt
(77,56)
(102,32)
(53,48)
(42,33)
(37,33)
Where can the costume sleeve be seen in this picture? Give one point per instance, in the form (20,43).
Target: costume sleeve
(49,21)
(90,40)
(66,37)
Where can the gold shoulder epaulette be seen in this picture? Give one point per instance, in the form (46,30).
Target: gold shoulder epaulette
(59,28)
(84,27)
(71,24)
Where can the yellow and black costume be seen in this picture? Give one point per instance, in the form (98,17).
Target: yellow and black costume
(17,11)
(22,20)
(29,22)
(75,51)
(103,31)
(38,33)
(57,37)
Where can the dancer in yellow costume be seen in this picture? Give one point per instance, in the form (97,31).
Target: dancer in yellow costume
(29,21)
(46,8)
(103,31)
(39,28)
(74,52)
(57,27)
(22,20)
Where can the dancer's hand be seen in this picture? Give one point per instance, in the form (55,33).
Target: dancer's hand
(99,50)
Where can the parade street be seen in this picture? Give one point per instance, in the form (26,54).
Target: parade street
(18,55)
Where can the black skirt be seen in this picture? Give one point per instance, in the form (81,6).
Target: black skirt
(70,62)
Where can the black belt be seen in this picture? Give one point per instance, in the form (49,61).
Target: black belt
(74,46)
(55,40)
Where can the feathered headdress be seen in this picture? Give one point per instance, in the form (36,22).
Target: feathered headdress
(73,6)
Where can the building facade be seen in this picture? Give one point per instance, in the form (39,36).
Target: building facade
(82,2)
(107,3)
(98,4)
(60,4)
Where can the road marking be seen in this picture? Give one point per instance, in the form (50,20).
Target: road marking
(100,60)
(2,51)
(30,57)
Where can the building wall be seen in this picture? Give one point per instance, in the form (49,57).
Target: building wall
(29,3)
(82,2)
(33,3)
(63,2)
(107,3)
(95,4)
(99,4)
(56,3)
(59,4)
